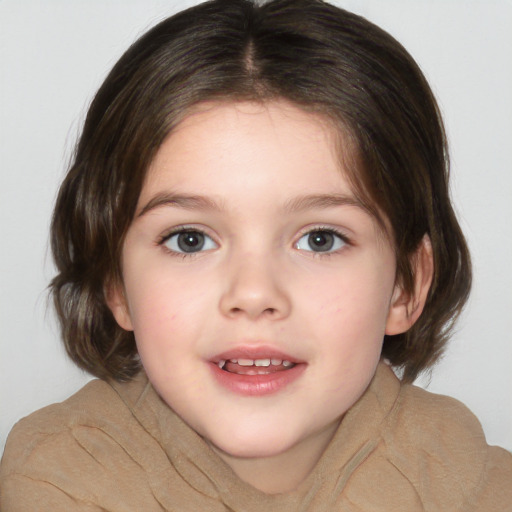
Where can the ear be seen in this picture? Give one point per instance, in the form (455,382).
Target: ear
(116,301)
(405,308)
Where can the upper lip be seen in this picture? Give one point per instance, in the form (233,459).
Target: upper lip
(255,352)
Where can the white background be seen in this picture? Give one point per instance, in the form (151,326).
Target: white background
(53,57)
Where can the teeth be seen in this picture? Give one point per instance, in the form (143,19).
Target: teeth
(257,362)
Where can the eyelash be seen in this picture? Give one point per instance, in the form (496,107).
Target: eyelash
(317,254)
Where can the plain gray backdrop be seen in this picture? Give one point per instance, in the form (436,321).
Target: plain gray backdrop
(53,57)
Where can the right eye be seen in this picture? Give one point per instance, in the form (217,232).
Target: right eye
(189,241)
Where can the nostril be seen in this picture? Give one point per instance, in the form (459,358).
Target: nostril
(265,312)
(238,301)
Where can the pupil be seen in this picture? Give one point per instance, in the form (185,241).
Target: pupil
(321,241)
(190,241)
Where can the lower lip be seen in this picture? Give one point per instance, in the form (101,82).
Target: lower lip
(257,385)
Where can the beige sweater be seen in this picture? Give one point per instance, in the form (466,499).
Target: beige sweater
(120,448)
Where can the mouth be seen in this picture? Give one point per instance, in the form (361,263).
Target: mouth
(256,371)
(264,366)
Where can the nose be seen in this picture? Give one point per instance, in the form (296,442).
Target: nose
(254,289)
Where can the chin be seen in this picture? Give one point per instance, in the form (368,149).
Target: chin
(261,445)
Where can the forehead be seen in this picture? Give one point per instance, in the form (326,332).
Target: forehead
(247,140)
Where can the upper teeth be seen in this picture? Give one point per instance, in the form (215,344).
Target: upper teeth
(254,362)
(257,362)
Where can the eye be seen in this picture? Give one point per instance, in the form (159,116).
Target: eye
(321,240)
(188,241)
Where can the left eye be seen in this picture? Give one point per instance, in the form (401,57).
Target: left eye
(321,240)
(189,241)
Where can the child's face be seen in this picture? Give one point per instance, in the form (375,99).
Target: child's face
(250,245)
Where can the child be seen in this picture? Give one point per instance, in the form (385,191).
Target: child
(256,226)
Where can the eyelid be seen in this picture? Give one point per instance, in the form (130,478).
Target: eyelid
(324,227)
(183,227)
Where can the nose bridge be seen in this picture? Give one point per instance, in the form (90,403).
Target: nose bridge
(254,286)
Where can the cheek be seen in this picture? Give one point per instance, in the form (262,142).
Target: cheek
(352,298)
(161,306)
(166,330)
(347,315)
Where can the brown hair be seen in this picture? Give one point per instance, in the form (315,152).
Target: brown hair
(309,52)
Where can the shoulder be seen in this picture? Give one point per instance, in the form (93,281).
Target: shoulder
(51,433)
(70,449)
(436,421)
(93,405)
(439,443)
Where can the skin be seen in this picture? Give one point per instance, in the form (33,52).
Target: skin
(257,281)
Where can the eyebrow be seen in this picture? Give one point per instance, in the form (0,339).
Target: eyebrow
(298,204)
(187,202)
(319,201)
